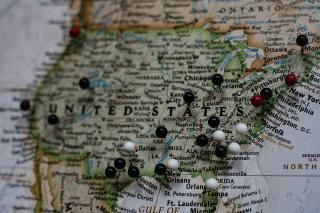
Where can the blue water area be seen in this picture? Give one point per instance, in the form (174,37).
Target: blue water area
(81,117)
(133,36)
(167,144)
(89,166)
(100,83)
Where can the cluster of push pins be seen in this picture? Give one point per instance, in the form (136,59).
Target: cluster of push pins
(161,131)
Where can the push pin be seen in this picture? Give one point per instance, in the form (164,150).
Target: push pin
(129,146)
(266,93)
(234,147)
(188,97)
(53,119)
(219,135)
(202,140)
(160,169)
(110,172)
(302,41)
(220,151)
(133,172)
(214,121)
(74,32)
(212,184)
(257,100)
(173,164)
(241,128)
(84,83)
(161,132)
(119,163)
(291,79)
(217,79)
(25,105)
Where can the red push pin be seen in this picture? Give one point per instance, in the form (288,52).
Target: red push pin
(291,79)
(74,32)
(257,100)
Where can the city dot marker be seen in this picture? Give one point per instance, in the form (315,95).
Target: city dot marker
(219,135)
(119,163)
(160,169)
(212,184)
(161,132)
(172,164)
(110,172)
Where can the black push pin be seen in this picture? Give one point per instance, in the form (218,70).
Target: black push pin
(217,79)
(110,172)
(119,163)
(161,132)
(84,83)
(213,121)
(202,140)
(220,151)
(188,97)
(160,169)
(266,93)
(133,172)
(302,41)
(53,119)
(25,105)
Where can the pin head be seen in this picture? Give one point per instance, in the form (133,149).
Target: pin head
(53,119)
(129,146)
(110,172)
(257,100)
(202,140)
(173,164)
(133,172)
(302,40)
(25,105)
(160,169)
(241,128)
(119,163)
(219,135)
(291,79)
(74,32)
(84,83)
(161,132)
(234,147)
(217,79)
(214,121)
(212,184)
(188,97)
(220,151)
(266,93)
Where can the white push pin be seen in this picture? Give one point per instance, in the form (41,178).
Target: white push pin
(234,147)
(219,135)
(129,146)
(172,164)
(241,129)
(212,184)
